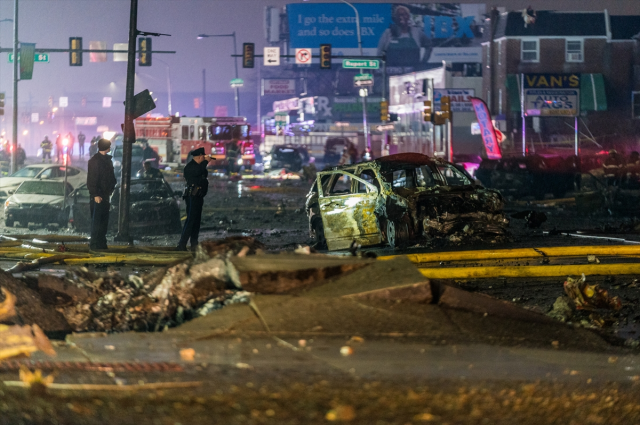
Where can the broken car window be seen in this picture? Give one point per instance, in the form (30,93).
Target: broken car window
(341,185)
(453,176)
(369,177)
(425,177)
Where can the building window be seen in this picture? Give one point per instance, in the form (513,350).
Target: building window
(530,51)
(574,49)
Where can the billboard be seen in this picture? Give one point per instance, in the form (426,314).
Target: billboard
(283,87)
(552,95)
(460,99)
(411,35)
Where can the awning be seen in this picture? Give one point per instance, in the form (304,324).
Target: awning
(513,92)
(592,94)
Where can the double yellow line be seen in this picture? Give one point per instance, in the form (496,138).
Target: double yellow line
(439,272)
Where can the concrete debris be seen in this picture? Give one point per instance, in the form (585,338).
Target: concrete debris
(7,307)
(533,219)
(589,297)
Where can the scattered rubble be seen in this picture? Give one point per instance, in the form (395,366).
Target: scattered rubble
(589,297)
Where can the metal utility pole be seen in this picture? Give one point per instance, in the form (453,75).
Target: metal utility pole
(367,136)
(129,131)
(14,141)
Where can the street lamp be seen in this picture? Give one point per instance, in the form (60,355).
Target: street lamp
(235,60)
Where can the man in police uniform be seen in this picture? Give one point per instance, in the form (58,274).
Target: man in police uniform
(195,173)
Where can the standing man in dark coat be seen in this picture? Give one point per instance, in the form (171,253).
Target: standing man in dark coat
(101,181)
(195,173)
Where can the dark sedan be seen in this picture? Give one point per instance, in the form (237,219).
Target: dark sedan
(154,208)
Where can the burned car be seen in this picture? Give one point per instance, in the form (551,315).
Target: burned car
(401,199)
(153,208)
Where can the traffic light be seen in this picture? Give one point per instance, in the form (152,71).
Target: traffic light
(445,107)
(325,56)
(2,103)
(248,55)
(144,51)
(384,111)
(75,55)
(427,112)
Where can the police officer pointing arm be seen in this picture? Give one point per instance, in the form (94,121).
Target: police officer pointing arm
(195,173)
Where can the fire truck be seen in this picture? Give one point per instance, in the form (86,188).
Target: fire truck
(226,139)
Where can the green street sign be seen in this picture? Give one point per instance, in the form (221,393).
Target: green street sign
(361,80)
(237,82)
(360,63)
(363,77)
(38,57)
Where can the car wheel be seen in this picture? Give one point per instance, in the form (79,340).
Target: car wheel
(391,233)
(9,223)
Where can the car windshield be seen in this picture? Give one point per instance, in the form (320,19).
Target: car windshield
(135,151)
(149,190)
(27,172)
(41,188)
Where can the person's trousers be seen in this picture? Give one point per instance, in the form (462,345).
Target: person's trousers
(81,148)
(99,224)
(46,155)
(191,229)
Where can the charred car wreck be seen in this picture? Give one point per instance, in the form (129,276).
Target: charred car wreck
(399,200)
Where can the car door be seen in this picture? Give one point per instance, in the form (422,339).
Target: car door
(348,215)
(80,212)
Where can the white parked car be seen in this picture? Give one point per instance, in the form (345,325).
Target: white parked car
(38,201)
(55,172)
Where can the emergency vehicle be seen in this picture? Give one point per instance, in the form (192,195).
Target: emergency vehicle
(226,139)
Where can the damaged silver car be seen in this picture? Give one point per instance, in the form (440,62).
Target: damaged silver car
(399,200)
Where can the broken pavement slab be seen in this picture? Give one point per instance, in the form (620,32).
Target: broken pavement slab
(279,274)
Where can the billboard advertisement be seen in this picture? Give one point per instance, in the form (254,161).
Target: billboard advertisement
(460,99)
(411,35)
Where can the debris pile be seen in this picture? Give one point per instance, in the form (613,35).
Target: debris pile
(110,302)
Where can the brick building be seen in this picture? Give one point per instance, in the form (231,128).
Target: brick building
(599,47)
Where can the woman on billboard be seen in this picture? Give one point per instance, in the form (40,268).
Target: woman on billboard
(403,42)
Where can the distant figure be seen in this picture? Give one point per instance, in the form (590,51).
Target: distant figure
(93,146)
(47,147)
(81,139)
(71,141)
(611,166)
(59,148)
(21,156)
(385,150)
(149,153)
(148,171)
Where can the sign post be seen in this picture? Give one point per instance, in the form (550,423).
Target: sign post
(362,80)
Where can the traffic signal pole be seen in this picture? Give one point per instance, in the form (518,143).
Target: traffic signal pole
(14,141)
(129,131)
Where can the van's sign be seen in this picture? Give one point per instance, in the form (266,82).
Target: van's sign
(552,81)
(552,95)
